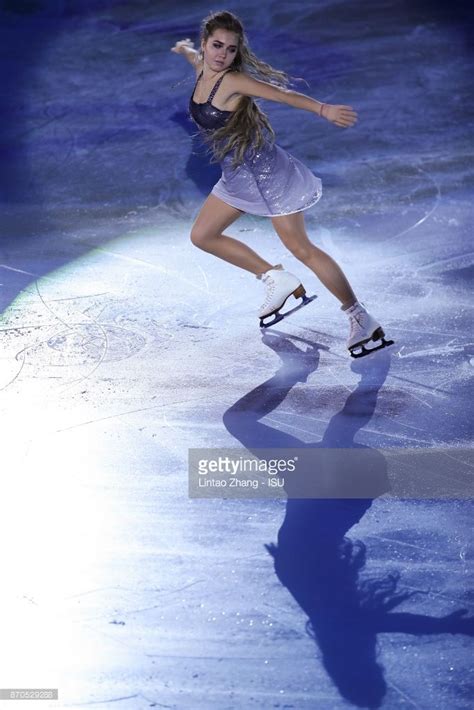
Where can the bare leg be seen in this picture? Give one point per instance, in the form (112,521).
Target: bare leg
(214,217)
(291,230)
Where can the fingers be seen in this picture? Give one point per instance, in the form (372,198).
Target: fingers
(344,124)
(345,117)
(457,614)
(342,116)
(182,43)
(348,116)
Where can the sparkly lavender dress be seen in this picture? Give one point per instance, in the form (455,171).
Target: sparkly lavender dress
(270,182)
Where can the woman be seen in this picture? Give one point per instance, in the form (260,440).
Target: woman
(258,176)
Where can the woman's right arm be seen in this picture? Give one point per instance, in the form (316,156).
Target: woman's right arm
(186,48)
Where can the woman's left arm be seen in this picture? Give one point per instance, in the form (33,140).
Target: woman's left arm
(342,116)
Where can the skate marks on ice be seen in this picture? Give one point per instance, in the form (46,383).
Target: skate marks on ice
(60,326)
(320,566)
(410,412)
(407,188)
(68,339)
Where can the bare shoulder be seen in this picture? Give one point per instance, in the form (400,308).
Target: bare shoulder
(232,84)
(242,84)
(233,79)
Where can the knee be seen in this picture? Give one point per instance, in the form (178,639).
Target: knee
(302,252)
(199,237)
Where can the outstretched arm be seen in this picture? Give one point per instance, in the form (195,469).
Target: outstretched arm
(186,48)
(403,622)
(342,116)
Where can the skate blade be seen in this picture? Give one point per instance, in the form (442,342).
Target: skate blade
(360,350)
(281,316)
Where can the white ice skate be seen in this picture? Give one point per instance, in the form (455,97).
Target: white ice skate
(280,285)
(364,329)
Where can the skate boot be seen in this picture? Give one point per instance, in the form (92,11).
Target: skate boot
(364,329)
(280,285)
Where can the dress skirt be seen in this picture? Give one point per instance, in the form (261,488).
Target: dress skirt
(270,182)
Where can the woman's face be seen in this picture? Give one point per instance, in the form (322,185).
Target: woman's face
(220,49)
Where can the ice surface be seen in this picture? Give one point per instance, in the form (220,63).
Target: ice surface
(123,346)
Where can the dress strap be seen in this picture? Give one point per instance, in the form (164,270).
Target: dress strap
(216,86)
(200,75)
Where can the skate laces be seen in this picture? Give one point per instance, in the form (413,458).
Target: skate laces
(356,322)
(270,288)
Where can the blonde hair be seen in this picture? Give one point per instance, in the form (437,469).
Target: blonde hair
(246,125)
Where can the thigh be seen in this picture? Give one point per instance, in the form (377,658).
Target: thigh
(215,216)
(291,229)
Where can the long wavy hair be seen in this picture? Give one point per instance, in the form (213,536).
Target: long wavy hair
(247,125)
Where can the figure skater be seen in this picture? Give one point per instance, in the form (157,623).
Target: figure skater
(258,176)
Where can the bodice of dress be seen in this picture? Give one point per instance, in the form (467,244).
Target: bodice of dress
(206,115)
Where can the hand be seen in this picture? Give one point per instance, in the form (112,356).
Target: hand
(182,44)
(458,623)
(342,116)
